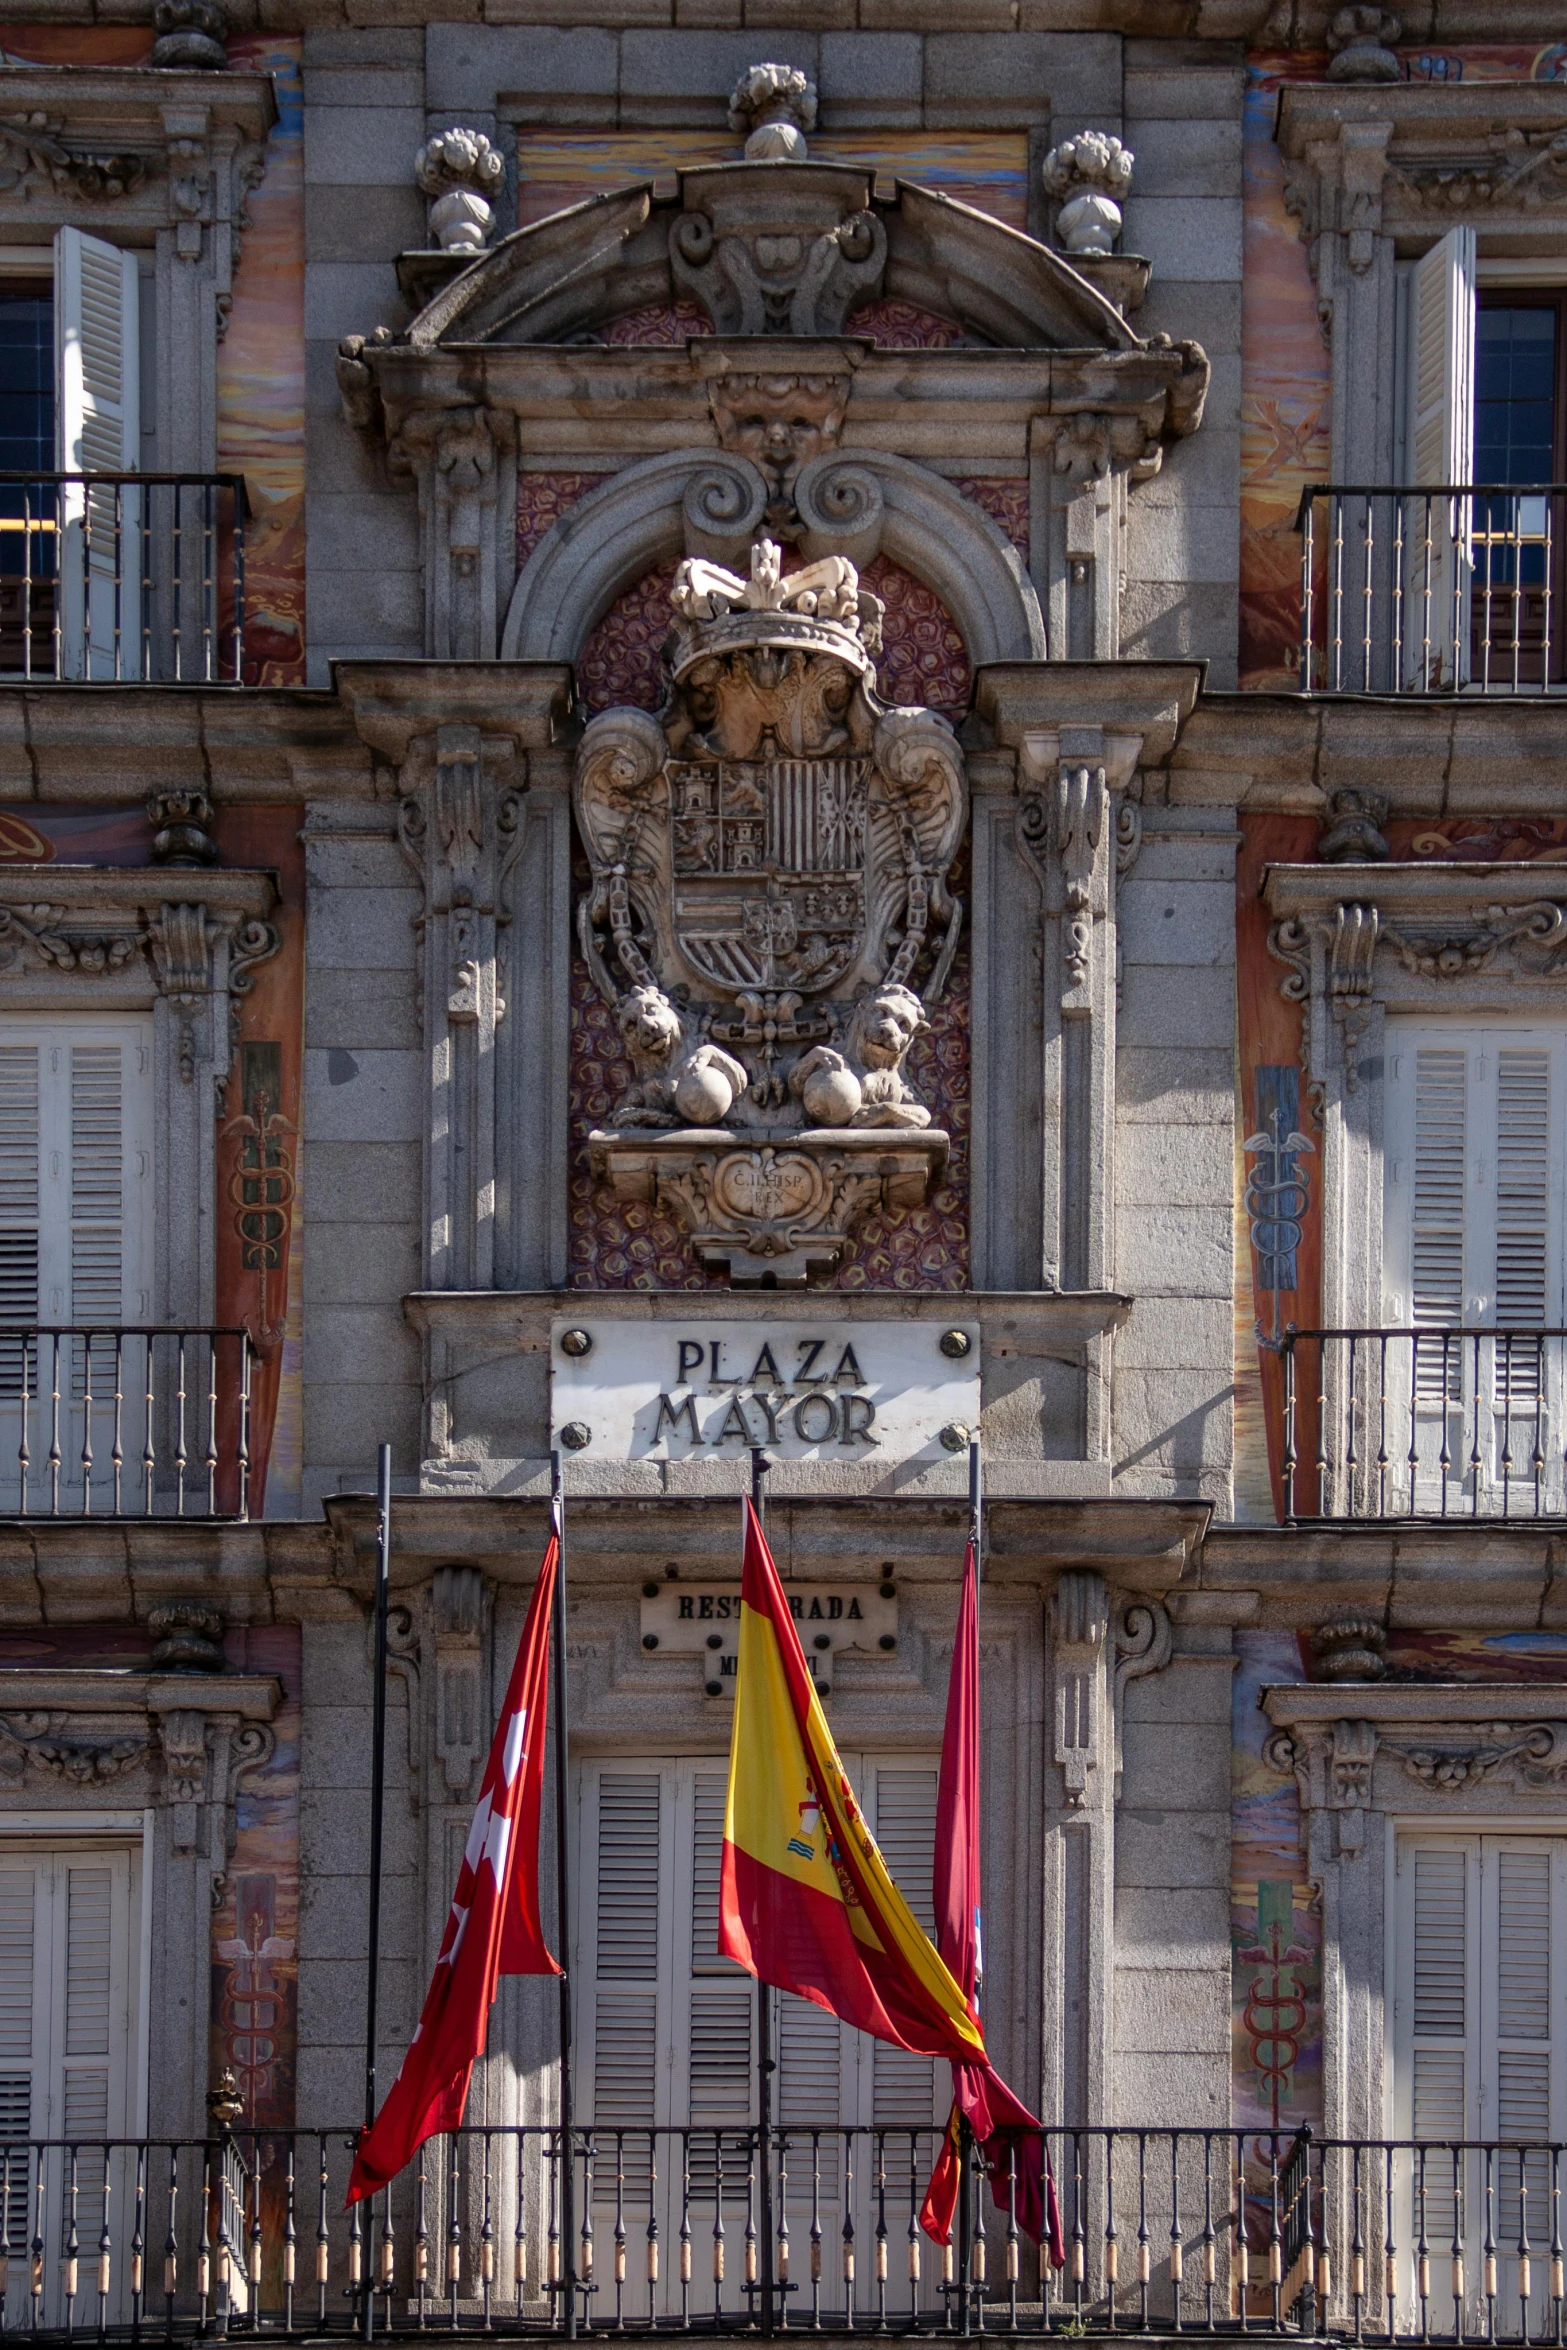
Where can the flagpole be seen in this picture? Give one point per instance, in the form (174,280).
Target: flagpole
(965,2134)
(568,2179)
(383,1579)
(760,1464)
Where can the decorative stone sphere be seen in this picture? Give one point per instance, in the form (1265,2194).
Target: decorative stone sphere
(831,1096)
(703,1095)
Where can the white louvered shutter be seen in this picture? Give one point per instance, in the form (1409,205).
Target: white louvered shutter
(75,1170)
(19,1201)
(1438,1884)
(20,2053)
(903,2092)
(1442,361)
(1517,2018)
(1474,1193)
(626,1955)
(97,338)
(721,2065)
(1439,438)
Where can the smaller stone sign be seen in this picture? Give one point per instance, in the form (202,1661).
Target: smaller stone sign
(694,1390)
(690,1619)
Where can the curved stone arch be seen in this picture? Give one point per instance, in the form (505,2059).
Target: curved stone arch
(705,502)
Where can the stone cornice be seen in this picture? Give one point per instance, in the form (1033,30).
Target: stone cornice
(1437,756)
(247,1697)
(1311,1704)
(1143,703)
(111,743)
(393,703)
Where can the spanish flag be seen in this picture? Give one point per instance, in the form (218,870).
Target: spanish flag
(805,1901)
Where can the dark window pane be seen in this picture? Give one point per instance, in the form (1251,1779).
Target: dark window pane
(26,381)
(1515,398)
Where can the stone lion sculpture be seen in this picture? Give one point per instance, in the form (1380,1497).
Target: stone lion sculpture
(865,1086)
(676,1083)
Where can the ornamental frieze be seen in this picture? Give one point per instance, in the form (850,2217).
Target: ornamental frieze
(770,919)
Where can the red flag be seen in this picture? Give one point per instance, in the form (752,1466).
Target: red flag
(1008,2133)
(494,1926)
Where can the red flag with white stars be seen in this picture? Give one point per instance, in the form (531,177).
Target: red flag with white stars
(494,1928)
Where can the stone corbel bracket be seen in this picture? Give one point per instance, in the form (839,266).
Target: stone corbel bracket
(198,1734)
(463,461)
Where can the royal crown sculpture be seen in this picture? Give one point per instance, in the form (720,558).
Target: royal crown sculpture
(770,919)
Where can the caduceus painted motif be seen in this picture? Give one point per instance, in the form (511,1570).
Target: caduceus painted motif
(770,916)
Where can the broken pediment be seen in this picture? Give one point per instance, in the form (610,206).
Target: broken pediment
(773,247)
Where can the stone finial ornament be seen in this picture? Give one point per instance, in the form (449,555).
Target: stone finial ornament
(775,106)
(1361,39)
(1088,175)
(460,171)
(1349,1649)
(1353,834)
(190,35)
(187,1638)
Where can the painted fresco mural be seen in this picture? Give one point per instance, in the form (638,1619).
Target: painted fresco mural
(255,1925)
(984,168)
(1284,355)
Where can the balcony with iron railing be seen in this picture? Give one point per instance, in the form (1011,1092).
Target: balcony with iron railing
(1456,589)
(489,2231)
(122,578)
(128,1422)
(1430,1423)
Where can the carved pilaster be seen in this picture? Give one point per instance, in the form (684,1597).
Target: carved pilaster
(457,1612)
(1079,1851)
(461,460)
(458,824)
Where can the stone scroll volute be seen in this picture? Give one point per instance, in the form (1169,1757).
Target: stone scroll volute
(770,917)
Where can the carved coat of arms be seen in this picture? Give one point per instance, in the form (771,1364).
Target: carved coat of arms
(770,918)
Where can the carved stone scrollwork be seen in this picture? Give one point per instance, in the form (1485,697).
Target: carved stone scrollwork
(1083,798)
(58,1746)
(780,422)
(31,150)
(769,917)
(756,271)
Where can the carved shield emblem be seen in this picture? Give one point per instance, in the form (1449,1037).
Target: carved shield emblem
(768,863)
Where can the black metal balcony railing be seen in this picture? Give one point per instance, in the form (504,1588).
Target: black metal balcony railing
(1166,2232)
(1428,1423)
(132,578)
(146,1423)
(1444,590)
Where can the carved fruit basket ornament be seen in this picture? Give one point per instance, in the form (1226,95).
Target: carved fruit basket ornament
(770,919)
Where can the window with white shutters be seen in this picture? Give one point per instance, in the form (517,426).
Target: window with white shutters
(69,1972)
(1480,2021)
(1474,1202)
(75,1177)
(667,2023)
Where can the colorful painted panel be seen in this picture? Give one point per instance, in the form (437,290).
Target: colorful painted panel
(261,378)
(986,169)
(260,1232)
(34,832)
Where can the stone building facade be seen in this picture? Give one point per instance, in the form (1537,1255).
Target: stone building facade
(824,724)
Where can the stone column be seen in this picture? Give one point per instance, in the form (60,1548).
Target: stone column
(1079,1888)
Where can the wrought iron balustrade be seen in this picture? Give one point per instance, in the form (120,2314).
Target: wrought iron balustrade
(141,1422)
(1211,2231)
(122,578)
(1451,589)
(1424,1423)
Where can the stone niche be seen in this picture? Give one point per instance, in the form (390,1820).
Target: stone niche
(770,920)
